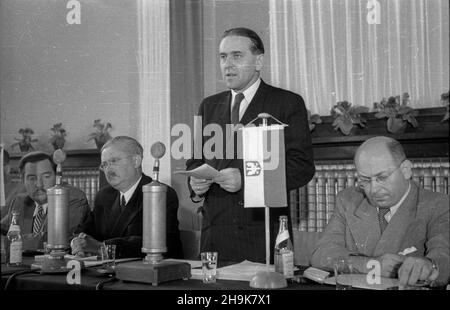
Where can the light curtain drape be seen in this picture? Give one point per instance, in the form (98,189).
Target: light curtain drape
(154,81)
(327,51)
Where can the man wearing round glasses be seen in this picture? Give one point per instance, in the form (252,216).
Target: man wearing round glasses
(388,218)
(117,215)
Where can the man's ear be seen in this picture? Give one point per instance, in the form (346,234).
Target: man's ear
(259,62)
(137,161)
(406,167)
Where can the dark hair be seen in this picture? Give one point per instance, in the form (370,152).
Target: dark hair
(34,157)
(5,157)
(257,46)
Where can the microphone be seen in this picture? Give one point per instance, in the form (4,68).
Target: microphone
(58,157)
(157,150)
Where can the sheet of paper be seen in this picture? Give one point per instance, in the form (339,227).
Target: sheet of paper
(205,171)
(360,281)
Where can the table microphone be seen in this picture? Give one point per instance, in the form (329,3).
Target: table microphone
(157,150)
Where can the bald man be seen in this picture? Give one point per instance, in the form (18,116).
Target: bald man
(388,218)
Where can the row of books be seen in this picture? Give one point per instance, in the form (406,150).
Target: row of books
(312,205)
(87,180)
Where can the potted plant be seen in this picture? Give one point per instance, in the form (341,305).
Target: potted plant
(446,102)
(101,134)
(313,120)
(58,136)
(346,116)
(24,143)
(397,111)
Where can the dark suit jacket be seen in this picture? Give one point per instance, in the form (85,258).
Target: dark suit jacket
(124,229)
(421,221)
(237,233)
(22,203)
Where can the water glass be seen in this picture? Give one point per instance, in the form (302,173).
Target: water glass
(209,266)
(108,253)
(342,273)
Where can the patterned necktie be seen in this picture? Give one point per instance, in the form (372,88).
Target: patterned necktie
(235,112)
(381,218)
(122,203)
(38,219)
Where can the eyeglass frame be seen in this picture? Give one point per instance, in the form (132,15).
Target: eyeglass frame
(111,162)
(377,178)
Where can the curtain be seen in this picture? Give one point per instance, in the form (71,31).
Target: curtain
(330,51)
(154,81)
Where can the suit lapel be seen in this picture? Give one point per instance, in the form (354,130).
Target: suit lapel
(256,106)
(363,224)
(28,210)
(400,228)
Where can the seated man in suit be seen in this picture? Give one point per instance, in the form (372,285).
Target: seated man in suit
(117,215)
(388,218)
(38,173)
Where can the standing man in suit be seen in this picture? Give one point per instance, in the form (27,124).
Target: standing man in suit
(117,215)
(237,233)
(38,173)
(389,218)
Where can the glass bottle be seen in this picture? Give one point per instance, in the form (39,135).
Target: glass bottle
(284,251)
(14,242)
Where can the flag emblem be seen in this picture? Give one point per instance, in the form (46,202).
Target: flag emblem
(252,168)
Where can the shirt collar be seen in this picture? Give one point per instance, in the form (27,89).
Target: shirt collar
(44,207)
(395,207)
(249,93)
(130,192)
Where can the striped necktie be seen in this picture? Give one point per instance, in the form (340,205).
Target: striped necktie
(122,203)
(38,219)
(382,219)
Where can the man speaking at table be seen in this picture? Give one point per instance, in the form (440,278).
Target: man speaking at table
(117,215)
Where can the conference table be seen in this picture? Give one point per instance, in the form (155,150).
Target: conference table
(23,278)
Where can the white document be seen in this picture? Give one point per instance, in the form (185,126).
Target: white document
(205,171)
(360,281)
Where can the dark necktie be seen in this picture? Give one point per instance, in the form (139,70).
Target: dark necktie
(235,112)
(122,203)
(381,219)
(38,219)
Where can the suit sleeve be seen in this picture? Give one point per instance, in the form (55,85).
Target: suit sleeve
(299,151)
(173,241)
(437,245)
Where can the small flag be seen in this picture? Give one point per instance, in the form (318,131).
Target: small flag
(264,166)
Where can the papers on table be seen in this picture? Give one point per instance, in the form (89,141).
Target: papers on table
(360,281)
(205,171)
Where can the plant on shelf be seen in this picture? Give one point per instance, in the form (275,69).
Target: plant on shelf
(346,116)
(313,120)
(397,111)
(101,134)
(24,143)
(446,102)
(58,136)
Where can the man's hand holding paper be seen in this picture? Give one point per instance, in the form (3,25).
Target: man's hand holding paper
(229,179)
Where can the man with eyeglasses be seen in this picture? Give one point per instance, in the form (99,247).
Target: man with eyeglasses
(117,214)
(38,173)
(388,218)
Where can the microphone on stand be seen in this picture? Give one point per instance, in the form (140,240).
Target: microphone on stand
(157,150)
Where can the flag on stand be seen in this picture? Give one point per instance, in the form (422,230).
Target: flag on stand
(264,166)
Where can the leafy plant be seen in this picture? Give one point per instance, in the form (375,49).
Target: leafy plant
(313,120)
(445,101)
(397,111)
(26,140)
(101,134)
(58,136)
(346,116)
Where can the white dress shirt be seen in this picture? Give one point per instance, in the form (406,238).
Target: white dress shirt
(395,207)
(249,93)
(130,192)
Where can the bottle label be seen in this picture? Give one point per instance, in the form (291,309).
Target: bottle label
(285,264)
(282,236)
(15,252)
(14,228)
